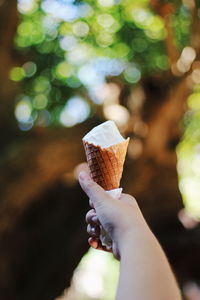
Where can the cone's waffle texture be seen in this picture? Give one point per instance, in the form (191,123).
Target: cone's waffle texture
(106,164)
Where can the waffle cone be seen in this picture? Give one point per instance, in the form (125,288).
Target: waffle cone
(106,164)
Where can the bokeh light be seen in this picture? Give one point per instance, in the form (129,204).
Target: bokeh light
(79,45)
(187,57)
(194,101)
(41,84)
(106,3)
(68,42)
(64,70)
(80,28)
(118,113)
(40,101)
(23,110)
(63,10)
(84,43)
(79,54)
(104,39)
(17,74)
(105,20)
(188,152)
(27,6)
(29,68)
(95,278)
(132,74)
(75,111)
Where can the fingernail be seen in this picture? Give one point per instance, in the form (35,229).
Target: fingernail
(83,176)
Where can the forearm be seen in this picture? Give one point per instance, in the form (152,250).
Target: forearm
(145,272)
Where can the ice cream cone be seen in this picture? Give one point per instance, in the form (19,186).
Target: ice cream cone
(106,164)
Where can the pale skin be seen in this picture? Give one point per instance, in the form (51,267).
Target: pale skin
(145,273)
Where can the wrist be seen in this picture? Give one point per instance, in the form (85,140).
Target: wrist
(135,240)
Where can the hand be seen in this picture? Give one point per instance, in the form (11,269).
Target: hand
(143,263)
(121,218)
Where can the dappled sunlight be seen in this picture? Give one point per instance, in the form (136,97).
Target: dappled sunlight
(86,45)
(75,111)
(80,29)
(95,278)
(65,11)
(106,3)
(132,74)
(17,74)
(23,114)
(29,68)
(188,152)
(107,93)
(118,113)
(27,6)
(68,42)
(187,57)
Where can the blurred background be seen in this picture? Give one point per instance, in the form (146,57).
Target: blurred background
(67,66)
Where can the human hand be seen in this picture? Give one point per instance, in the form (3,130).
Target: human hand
(142,260)
(121,219)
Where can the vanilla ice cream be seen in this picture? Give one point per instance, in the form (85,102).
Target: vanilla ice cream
(104,135)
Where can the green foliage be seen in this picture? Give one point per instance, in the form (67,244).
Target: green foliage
(75,45)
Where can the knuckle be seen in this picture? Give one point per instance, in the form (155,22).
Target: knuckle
(89,215)
(88,228)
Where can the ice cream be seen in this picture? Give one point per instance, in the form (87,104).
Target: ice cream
(105,150)
(104,135)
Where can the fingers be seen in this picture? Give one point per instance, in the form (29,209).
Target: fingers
(92,189)
(93,230)
(94,239)
(96,244)
(91,217)
(90,214)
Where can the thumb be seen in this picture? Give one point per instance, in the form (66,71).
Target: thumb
(94,191)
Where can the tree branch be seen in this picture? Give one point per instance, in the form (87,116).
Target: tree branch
(165,10)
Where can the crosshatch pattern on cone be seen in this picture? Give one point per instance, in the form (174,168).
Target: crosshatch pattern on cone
(106,164)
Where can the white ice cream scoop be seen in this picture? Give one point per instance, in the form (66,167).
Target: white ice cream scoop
(104,135)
